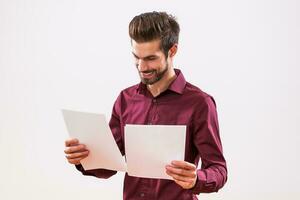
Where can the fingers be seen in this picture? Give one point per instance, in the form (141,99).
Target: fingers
(76,161)
(183,164)
(71,142)
(183,173)
(179,177)
(77,155)
(75,149)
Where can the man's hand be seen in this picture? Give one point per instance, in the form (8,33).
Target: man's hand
(183,173)
(75,151)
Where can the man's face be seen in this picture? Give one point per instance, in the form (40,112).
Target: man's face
(150,61)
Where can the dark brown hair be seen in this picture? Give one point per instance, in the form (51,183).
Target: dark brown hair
(155,25)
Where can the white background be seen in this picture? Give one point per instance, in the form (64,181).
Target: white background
(76,55)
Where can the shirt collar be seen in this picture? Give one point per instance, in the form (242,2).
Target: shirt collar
(176,86)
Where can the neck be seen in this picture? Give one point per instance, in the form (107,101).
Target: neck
(163,84)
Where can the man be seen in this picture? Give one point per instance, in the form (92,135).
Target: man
(164,97)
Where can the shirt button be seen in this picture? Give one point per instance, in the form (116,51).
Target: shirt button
(154,100)
(149,123)
(142,194)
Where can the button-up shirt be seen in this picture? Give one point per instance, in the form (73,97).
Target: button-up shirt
(181,104)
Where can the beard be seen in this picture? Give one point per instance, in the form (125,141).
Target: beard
(157,75)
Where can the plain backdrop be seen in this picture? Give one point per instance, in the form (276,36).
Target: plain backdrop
(76,55)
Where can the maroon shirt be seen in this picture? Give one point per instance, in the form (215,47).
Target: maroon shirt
(181,104)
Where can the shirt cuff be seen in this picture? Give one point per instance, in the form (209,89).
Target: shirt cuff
(100,173)
(79,168)
(200,183)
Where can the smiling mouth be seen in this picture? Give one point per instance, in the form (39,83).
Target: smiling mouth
(147,74)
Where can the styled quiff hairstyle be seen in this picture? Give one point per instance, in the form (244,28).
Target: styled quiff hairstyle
(151,26)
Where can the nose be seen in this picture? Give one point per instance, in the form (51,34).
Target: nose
(141,65)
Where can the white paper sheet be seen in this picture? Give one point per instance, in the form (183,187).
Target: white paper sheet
(93,131)
(149,148)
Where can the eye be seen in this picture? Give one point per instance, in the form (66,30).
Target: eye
(151,58)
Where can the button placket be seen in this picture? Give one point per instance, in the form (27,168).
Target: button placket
(152,111)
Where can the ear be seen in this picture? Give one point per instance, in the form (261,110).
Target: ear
(173,50)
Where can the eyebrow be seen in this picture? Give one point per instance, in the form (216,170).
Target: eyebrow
(145,58)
